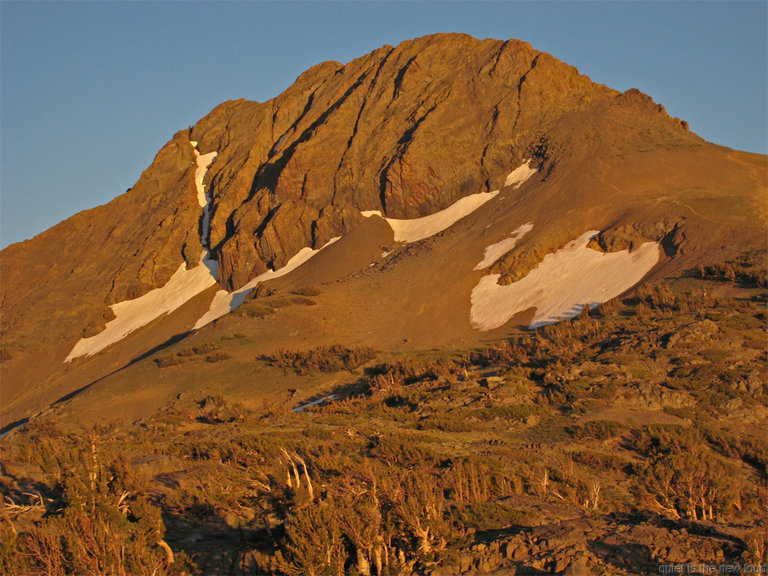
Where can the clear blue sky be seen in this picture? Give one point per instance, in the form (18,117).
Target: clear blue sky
(91,90)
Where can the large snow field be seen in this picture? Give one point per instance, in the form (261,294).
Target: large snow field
(131,315)
(185,283)
(563,283)
(225,302)
(495,251)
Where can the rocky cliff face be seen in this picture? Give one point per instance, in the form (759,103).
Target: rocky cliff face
(405,130)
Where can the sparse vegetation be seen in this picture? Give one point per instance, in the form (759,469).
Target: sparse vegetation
(307,291)
(170,360)
(189,353)
(628,437)
(323,358)
(218,357)
(750,270)
(204,348)
(265,306)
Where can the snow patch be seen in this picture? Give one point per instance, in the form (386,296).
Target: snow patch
(225,302)
(204,199)
(131,315)
(277,145)
(203,161)
(519,175)
(416,229)
(315,403)
(563,283)
(12,428)
(495,251)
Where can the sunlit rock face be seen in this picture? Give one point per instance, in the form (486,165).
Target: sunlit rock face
(484,160)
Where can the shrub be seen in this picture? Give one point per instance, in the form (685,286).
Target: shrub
(95,525)
(170,360)
(266,306)
(204,348)
(385,378)
(691,483)
(218,356)
(511,413)
(313,542)
(495,516)
(302,301)
(597,429)
(751,451)
(748,270)
(657,295)
(323,358)
(307,291)
(447,423)
(254,310)
(215,410)
(503,354)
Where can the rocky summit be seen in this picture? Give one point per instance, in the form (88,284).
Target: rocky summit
(356,244)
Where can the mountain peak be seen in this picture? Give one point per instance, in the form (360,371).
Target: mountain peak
(380,132)
(457,144)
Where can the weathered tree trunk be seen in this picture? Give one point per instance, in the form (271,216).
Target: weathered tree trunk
(306,476)
(363,565)
(377,560)
(168,552)
(423,534)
